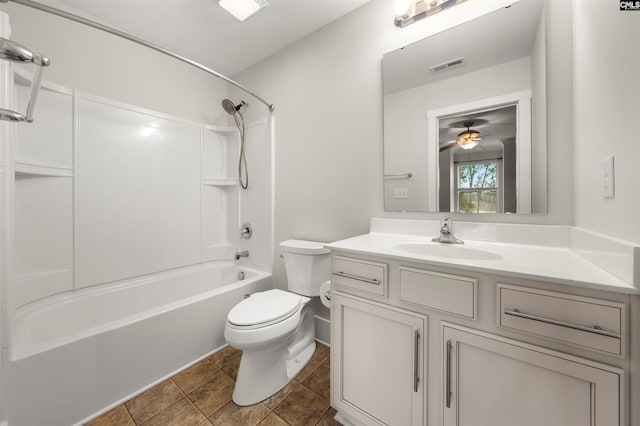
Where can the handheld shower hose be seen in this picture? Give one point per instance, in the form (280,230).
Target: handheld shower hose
(234,111)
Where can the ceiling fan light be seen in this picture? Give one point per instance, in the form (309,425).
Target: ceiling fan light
(242,9)
(468,134)
(467,144)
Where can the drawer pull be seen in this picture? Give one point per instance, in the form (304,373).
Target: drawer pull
(356,277)
(447,390)
(595,330)
(416,360)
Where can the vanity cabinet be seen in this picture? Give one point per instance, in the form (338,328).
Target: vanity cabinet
(493,381)
(421,344)
(377,362)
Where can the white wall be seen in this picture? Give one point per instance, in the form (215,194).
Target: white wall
(539,117)
(607,112)
(327,90)
(6,101)
(106,65)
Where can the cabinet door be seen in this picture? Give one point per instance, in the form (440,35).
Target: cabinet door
(377,362)
(493,381)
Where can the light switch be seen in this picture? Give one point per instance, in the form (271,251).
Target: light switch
(400,193)
(608,177)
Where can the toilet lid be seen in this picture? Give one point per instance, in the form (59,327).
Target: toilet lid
(264,307)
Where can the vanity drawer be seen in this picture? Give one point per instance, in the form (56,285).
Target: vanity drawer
(445,292)
(580,321)
(362,275)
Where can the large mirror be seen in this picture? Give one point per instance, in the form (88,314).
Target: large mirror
(465,117)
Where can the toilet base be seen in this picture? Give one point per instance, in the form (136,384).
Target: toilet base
(265,371)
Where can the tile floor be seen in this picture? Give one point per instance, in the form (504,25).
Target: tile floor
(201,396)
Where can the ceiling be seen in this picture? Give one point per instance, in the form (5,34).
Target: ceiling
(201,30)
(496,126)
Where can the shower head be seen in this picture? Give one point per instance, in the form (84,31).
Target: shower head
(232,108)
(229,106)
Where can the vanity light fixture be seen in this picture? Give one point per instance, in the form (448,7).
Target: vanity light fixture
(410,11)
(242,9)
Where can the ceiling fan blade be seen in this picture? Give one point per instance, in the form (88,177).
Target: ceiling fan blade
(447,146)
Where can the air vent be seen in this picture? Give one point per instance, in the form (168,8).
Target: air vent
(436,69)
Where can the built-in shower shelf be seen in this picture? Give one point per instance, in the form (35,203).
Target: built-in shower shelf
(220,181)
(221,129)
(24,78)
(234,129)
(39,169)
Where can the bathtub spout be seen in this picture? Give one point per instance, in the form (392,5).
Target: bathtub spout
(240,254)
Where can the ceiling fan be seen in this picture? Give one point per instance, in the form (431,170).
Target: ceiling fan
(466,139)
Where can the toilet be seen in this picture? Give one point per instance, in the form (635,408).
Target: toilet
(275,329)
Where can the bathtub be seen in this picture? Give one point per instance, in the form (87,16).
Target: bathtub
(77,355)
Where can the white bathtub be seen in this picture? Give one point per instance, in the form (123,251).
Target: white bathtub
(76,355)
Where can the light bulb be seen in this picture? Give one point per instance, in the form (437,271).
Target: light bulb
(470,144)
(402,7)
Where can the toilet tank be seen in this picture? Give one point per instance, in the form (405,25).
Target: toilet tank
(307,264)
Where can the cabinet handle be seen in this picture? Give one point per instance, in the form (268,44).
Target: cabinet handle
(595,330)
(416,360)
(447,390)
(356,277)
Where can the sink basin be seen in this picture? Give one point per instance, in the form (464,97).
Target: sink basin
(451,251)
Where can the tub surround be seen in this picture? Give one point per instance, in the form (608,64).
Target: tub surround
(121,225)
(557,254)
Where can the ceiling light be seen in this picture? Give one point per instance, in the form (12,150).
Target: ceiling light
(242,9)
(409,11)
(467,144)
(467,139)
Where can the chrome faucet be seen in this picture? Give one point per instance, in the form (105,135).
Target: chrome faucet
(244,253)
(446,232)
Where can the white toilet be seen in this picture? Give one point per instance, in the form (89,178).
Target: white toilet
(275,329)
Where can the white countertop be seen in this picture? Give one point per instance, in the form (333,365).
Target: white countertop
(554,264)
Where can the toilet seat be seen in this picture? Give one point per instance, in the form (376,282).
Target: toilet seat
(264,309)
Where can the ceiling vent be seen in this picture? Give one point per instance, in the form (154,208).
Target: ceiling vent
(455,63)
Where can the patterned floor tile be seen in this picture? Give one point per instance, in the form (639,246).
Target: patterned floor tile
(232,414)
(318,381)
(180,413)
(152,401)
(279,396)
(302,407)
(201,395)
(119,416)
(213,395)
(196,375)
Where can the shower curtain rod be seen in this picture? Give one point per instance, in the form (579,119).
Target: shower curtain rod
(137,40)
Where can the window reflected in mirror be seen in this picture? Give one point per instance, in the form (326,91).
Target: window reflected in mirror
(482,160)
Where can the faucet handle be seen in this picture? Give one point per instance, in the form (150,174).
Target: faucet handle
(246,231)
(446,225)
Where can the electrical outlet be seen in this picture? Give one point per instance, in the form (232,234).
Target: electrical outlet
(608,177)
(400,193)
